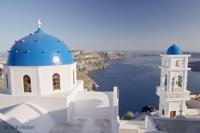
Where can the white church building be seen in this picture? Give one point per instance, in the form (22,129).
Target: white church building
(173,91)
(43,95)
(179,111)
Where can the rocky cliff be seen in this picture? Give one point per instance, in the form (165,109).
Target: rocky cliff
(116,55)
(93,60)
(88,61)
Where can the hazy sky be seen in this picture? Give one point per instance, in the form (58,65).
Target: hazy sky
(105,24)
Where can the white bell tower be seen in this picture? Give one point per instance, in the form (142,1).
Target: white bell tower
(173,91)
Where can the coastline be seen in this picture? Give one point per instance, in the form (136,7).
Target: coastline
(88,61)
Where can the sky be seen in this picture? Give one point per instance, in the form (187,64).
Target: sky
(105,24)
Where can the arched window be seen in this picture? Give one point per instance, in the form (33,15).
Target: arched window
(27,83)
(179,81)
(56,81)
(165,82)
(173,83)
(163,112)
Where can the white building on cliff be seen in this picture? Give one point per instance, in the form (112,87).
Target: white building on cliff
(173,91)
(42,93)
(174,97)
(179,111)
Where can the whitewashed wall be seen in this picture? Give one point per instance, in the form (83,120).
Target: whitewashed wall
(66,78)
(41,78)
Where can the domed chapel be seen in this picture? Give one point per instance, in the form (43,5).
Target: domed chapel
(42,93)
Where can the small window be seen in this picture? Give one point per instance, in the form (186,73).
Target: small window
(163,112)
(165,82)
(27,83)
(177,63)
(173,83)
(56,81)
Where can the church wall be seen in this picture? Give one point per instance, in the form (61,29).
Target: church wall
(97,105)
(71,97)
(16,80)
(170,92)
(41,78)
(175,106)
(93,104)
(66,78)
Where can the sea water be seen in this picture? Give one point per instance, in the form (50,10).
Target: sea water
(136,79)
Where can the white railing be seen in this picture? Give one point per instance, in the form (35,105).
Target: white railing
(176,94)
(160,92)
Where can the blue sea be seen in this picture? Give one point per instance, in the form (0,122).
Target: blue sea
(137,79)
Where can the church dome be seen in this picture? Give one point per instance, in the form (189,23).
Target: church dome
(39,49)
(174,50)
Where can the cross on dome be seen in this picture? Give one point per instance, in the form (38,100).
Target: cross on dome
(39,23)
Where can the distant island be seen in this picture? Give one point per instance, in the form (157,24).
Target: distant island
(195,66)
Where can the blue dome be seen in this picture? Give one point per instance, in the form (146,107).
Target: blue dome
(174,50)
(39,49)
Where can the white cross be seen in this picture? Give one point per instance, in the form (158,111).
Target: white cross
(39,23)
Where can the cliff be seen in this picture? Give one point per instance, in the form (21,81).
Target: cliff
(88,61)
(116,55)
(92,60)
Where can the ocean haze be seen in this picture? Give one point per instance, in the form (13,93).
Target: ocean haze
(103,24)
